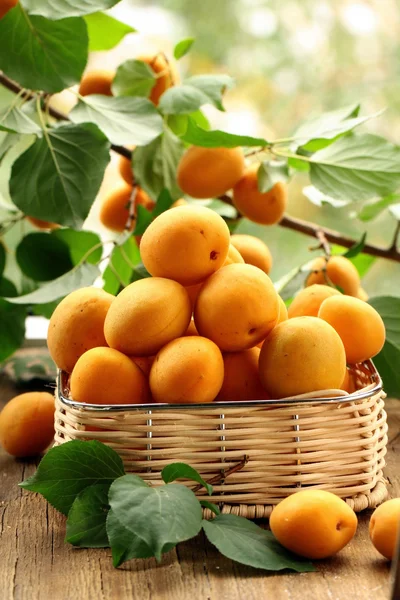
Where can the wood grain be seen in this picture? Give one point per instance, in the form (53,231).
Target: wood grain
(35,564)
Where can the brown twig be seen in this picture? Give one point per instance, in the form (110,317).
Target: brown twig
(221,478)
(324,244)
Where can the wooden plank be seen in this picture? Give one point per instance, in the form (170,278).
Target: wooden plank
(35,564)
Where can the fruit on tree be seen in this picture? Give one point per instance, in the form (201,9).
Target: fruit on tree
(209,172)
(166,75)
(187,370)
(146,315)
(283,311)
(308,301)
(302,355)
(241,378)
(96,82)
(125,169)
(253,250)
(313,523)
(236,307)
(27,424)
(233,256)
(7,5)
(114,209)
(338,270)
(359,325)
(186,244)
(384,527)
(76,325)
(106,376)
(266,208)
(42,224)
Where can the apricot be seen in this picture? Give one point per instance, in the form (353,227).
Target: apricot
(301,355)
(144,363)
(358,324)
(340,271)
(266,208)
(76,325)
(7,5)
(146,315)
(114,210)
(192,330)
(283,311)
(384,527)
(166,73)
(313,523)
(348,383)
(308,301)
(253,250)
(106,376)
(233,256)
(236,307)
(186,244)
(209,172)
(193,292)
(42,224)
(179,202)
(27,424)
(187,370)
(125,169)
(362,294)
(96,82)
(241,378)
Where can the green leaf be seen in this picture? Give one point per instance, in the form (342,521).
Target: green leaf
(218,139)
(292,282)
(7,288)
(161,516)
(123,120)
(2,258)
(45,310)
(12,328)
(211,506)
(68,469)
(86,523)
(143,219)
(66,8)
(324,126)
(133,78)
(178,123)
(30,364)
(298,165)
(183,471)
(227,211)
(43,257)
(245,542)
(82,275)
(164,202)
(139,272)
(79,243)
(42,54)
(183,48)
(356,168)
(105,32)
(14,120)
(120,258)
(58,177)
(270,173)
(124,544)
(388,360)
(194,93)
(395,211)
(356,248)
(372,210)
(363,263)
(319,199)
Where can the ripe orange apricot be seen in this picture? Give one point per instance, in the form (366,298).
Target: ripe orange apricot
(193,291)
(209,172)
(96,82)
(384,527)
(187,370)
(7,5)
(253,250)
(27,424)
(283,311)
(362,294)
(114,210)
(106,376)
(125,170)
(144,363)
(308,301)
(313,523)
(233,256)
(42,224)
(241,378)
(339,270)
(146,315)
(167,75)
(236,307)
(265,208)
(179,202)
(76,325)
(359,325)
(301,355)
(348,383)
(186,244)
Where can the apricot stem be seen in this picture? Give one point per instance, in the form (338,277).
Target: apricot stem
(221,478)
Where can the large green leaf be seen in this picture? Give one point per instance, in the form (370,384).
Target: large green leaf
(43,257)
(42,54)
(66,8)
(12,328)
(373,209)
(218,139)
(124,544)
(194,93)
(86,523)
(388,360)
(58,177)
(80,243)
(105,32)
(119,271)
(124,120)
(270,173)
(15,120)
(175,471)
(133,78)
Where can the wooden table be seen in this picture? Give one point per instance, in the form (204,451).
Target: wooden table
(35,564)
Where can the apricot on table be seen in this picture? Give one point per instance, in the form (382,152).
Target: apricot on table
(186,244)
(241,378)
(77,325)
(114,209)
(236,307)
(146,315)
(253,250)
(187,370)
(40,224)
(384,527)
(359,325)
(209,172)
(266,208)
(7,5)
(313,523)
(27,424)
(308,301)
(106,376)
(96,82)
(302,355)
(166,75)
(338,270)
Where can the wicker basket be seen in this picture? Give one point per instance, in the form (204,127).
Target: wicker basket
(328,440)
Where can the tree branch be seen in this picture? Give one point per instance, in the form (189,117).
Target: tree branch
(305,227)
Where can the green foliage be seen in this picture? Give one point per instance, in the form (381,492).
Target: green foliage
(80,244)
(371,210)
(14,120)
(145,217)
(183,47)
(218,139)
(269,173)
(43,257)
(194,93)
(2,259)
(388,360)
(66,8)
(176,471)
(105,32)
(119,271)
(12,328)
(357,248)
(133,78)
(86,523)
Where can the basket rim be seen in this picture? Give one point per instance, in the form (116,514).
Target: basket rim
(153,407)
